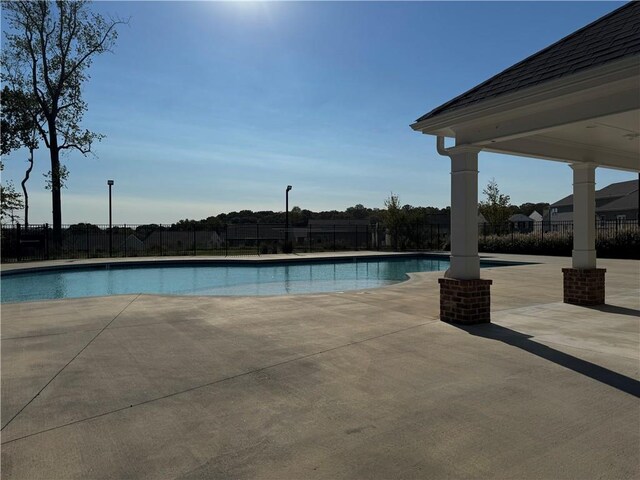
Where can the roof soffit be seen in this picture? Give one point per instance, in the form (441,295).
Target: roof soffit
(564,151)
(616,98)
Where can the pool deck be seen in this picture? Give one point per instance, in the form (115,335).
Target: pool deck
(366,384)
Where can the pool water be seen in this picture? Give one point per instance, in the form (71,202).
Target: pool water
(226,279)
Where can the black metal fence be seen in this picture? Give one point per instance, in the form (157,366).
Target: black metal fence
(614,238)
(604,228)
(90,241)
(93,241)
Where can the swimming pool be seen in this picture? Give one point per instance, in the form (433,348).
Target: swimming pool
(230,278)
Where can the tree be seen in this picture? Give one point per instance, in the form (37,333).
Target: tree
(496,208)
(9,199)
(393,216)
(20,120)
(48,48)
(528,208)
(358,211)
(17,120)
(84,228)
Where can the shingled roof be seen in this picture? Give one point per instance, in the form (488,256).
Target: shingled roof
(612,37)
(628,202)
(612,191)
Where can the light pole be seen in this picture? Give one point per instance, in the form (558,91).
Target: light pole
(286,220)
(110,183)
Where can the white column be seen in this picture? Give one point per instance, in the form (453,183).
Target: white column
(584,215)
(465,262)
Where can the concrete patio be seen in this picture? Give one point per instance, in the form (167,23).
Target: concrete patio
(366,384)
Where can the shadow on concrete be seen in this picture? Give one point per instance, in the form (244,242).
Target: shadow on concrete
(617,310)
(524,342)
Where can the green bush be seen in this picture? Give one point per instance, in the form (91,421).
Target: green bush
(625,244)
(531,243)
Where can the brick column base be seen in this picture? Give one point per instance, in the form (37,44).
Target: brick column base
(465,301)
(584,286)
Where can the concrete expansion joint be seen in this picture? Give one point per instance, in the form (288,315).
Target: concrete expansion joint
(68,363)
(201,386)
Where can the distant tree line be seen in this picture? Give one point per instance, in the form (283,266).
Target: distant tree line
(299,217)
(496,209)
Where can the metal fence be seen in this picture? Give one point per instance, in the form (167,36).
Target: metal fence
(90,241)
(563,229)
(93,241)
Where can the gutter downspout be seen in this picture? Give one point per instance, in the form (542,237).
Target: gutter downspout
(440,147)
(443,151)
(457,154)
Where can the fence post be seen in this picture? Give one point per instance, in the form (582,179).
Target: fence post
(395,238)
(18,248)
(511,228)
(46,241)
(226,239)
(356,238)
(195,244)
(368,239)
(309,235)
(258,238)
(334,237)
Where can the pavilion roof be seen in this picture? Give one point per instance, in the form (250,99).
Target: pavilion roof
(610,38)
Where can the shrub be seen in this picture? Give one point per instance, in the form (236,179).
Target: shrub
(531,243)
(624,244)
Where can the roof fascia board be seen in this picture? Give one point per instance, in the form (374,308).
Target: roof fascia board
(444,124)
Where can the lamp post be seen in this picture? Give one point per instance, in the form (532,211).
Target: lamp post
(286,220)
(110,183)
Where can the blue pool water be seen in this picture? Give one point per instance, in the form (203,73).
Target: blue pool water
(212,279)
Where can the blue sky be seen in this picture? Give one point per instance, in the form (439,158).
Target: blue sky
(209,107)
